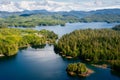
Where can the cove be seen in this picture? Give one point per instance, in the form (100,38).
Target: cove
(45,64)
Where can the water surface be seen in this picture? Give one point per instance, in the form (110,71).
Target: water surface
(45,64)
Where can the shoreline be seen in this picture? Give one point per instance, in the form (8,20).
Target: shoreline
(88,73)
(103,66)
(1,55)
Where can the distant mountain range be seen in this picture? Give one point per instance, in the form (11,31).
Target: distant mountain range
(78,14)
(60,17)
(30,18)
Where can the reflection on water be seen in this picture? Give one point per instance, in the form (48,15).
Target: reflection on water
(115,73)
(45,64)
(7,58)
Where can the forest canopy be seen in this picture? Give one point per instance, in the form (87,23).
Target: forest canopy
(92,45)
(13,39)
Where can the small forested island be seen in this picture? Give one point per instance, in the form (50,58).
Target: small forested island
(13,39)
(92,45)
(79,69)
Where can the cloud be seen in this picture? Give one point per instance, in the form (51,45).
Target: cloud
(52,5)
(99,3)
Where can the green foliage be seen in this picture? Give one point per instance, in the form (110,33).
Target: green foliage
(49,35)
(33,39)
(72,67)
(8,46)
(79,68)
(12,39)
(31,21)
(57,18)
(101,18)
(91,44)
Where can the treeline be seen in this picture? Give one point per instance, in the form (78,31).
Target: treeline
(30,21)
(36,20)
(93,45)
(13,39)
(109,18)
(45,18)
(54,19)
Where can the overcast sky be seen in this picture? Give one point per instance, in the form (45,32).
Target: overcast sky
(80,4)
(81,1)
(93,3)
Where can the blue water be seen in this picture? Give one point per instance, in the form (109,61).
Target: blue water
(45,64)
(75,26)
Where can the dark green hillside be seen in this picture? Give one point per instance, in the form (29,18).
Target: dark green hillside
(109,18)
(93,45)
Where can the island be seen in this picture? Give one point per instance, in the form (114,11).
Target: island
(78,69)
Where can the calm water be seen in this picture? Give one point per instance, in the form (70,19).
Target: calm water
(45,64)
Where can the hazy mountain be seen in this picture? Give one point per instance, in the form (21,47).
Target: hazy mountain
(78,14)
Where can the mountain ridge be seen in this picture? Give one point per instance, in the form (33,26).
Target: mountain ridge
(78,14)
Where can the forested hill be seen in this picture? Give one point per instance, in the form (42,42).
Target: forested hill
(45,18)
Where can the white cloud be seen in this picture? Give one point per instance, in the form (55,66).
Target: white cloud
(99,3)
(52,5)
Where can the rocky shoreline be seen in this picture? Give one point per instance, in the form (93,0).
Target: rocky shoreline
(1,55)
(104,66)
(89,72)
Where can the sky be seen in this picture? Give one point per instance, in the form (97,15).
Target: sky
(81,2)
(109,1)
(74,1)
(86,5)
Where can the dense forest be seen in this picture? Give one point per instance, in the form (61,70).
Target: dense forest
(13,39)
(36,20)
(92,45)
(30,21)
(52,20)
(115,64)
(109,18)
